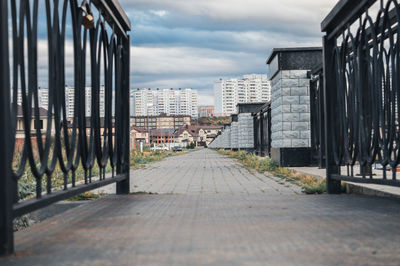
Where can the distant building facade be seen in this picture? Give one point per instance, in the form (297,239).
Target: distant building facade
(43,97)
(147,102)
(251,88)
(138,135)
(160,122)
(206,110)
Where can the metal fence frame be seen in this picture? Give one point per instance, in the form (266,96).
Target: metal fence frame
(262,131)
(361,90)
(317,116)
(101,148)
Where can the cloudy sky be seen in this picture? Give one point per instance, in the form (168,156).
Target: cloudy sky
(192,43)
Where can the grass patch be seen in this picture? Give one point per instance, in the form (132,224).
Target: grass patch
(309,184)
(85,196)
(138,159)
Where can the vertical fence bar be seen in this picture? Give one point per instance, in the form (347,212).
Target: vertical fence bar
(123,186)
(332,186)
(321,122)
(6,193)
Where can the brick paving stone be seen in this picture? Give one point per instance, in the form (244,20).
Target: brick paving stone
(211,211)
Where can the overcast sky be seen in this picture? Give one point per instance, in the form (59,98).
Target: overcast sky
(192,43)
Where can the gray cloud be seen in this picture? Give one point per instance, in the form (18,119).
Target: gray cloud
(193,43)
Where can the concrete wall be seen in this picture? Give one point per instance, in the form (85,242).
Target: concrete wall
(290,109)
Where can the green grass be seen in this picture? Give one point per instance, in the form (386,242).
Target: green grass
(309,184)
(85,196)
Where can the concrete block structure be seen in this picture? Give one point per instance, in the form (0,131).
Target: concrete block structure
(240,133)
(287,131)
(290,104)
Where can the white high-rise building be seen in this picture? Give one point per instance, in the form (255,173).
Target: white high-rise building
(251,88)
(164,101)
(43,97)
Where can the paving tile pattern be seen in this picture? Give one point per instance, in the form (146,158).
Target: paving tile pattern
(217,214)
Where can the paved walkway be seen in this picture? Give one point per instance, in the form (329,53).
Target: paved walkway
(211,211)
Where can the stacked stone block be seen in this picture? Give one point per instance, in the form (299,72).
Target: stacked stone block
(246,131)
(227,138)
(290,109)
(234,135)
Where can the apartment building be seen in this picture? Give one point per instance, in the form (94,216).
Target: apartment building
(147,102)
(250,88)
(43,97)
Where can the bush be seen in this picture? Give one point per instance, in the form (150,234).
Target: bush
(191,145)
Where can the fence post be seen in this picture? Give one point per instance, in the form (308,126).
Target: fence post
(332,186)
(123,186)
(6,193)
(321,119)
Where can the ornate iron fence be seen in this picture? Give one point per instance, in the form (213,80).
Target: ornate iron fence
(262,131)
(85,43)
(362,91)
(317,116)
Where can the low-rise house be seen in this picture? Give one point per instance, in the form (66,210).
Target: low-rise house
(138,135)
(35,125)
(200,135)
(162,136)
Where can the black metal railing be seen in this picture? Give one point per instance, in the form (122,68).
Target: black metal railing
(66,149)
(262,131)
(317,117)
(362,91)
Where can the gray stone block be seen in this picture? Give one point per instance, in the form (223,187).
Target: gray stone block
(304,100)
(276,118)
(285,91)
(304,117)
(301,126)
(291,117)
(305,134)
(285,74)
(276,135)
(299,91)
(289,83)
(300,108)
(291,134)
(304,82)
(276,82)
(287,126)
(276,127)
(298,143)
(302,74)
(277,143)
(286,143)
(276,94)
(276,102)
(290,100)
(286,108)
(276,111)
